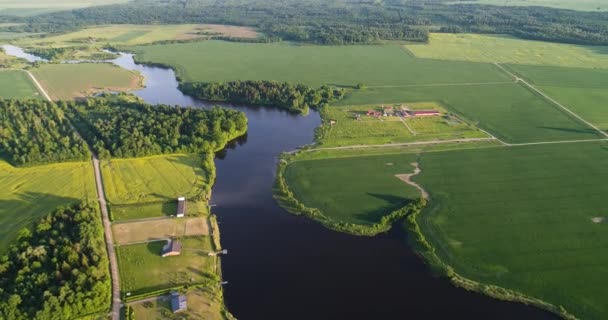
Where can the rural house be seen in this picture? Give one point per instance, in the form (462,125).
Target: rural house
(181,207)
(172,248)
(178,302)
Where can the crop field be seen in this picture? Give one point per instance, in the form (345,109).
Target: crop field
(531,219)
(152,179)
(26,194)
(373,188)
(34,7)
(581,5)
(203,303)
(506,49)
(312,65)
(156,210)
(391,129)
(143,269)
(16,84)
(71,81)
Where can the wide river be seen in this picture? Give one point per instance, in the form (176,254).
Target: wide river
(282,266)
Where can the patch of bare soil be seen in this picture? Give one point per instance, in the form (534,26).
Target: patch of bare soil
(598,219)
(158,229)
(230,31)
(407,178)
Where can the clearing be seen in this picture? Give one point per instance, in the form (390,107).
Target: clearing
(72,81)
(158,229)
(16,84)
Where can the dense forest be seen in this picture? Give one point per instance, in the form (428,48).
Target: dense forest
(122,126)
(58,269)
(296,98)
(36,131)
(341,21)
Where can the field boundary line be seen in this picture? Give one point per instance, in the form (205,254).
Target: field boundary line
(405,144)
(38,86)
(444,84)
(553,142)
(553,101)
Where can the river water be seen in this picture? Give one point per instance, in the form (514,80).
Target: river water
(282,266)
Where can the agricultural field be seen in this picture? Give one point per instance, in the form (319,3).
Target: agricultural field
(156,209)
(581,5)
(26,194)
(530,218)
(368,129)
(313,65)
(16,84)
(143,269)
(373,188)
(202,304)
(34,7)
(506,49)
(73,81)
(156,229)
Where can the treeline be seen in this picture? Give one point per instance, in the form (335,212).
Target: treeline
(36,131)
(121,126)
(341,22)
(295,98)
(58,269)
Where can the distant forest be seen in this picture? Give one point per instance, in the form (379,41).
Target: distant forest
(341,21)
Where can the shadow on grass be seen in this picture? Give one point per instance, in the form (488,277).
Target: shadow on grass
(590,130)
(156,247)
(392,203)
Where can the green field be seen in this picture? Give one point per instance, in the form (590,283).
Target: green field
(523,218)
(142,269)
(506,49)
(581,5)
(373,189)
(16,84)
(34,7)
(312,65)
(26,194)
(70,81)
(202,304)
(391,129)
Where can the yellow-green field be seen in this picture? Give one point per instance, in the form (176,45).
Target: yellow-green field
(72,81)
(152,179)
(16,84)
(26,194)
(505,49)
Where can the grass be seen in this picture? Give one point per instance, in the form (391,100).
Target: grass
(149,230)
(26,194)
(373,190)
(581,5)
(143,270)
(521,218)
(392,129)
(16,84)
(506,49)
(312,65)
(153,179)
(71,81)
(203,303)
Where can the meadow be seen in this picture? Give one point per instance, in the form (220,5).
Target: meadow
(203,303)
(531,219)
(582,5)
(27,194)
(71,81)
(16,84)
(143,270)
(506,49)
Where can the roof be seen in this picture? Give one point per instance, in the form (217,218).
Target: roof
(425,112)
(181,206)
(178,302)
(172,246)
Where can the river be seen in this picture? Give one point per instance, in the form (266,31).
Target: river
(281,266)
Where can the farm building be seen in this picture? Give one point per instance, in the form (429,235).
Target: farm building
(181,207)
(178,302)
(373,113)
(388,111)
(424,113)
(172,248)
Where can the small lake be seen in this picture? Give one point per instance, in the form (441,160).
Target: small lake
(20,53)
(281,266)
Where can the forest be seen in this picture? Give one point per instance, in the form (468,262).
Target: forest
(122,126)
(340,22)
(37,132)
(295,98)
(58,269)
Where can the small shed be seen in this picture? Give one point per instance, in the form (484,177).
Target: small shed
(178,302)
(181,207)
(172,248)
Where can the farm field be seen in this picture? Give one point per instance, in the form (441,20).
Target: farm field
(506,49)
(581,5)
(143,270)
(530,219)
(392,129)
(509,111)
(202,304)
(157,229)
(71,81)
(374,191)
(16,84)
(34,7)
(312,65)
(153,179)
(26,194)
(156,209)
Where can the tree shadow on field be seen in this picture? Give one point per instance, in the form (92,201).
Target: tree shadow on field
(391,204)
(570,130)
(156,247)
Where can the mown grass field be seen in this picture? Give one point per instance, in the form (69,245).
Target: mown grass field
(71,81)
(16,84)
(506,49)
(312,65)
(155,229)
(152,179)
(373,190)
(391,129)
(581,5)
(142,269)
(202,304)
(523,218)
(26,194)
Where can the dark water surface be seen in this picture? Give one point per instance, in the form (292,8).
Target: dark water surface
(281,266)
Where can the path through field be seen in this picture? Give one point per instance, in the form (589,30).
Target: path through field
(407,178)
(40,88)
